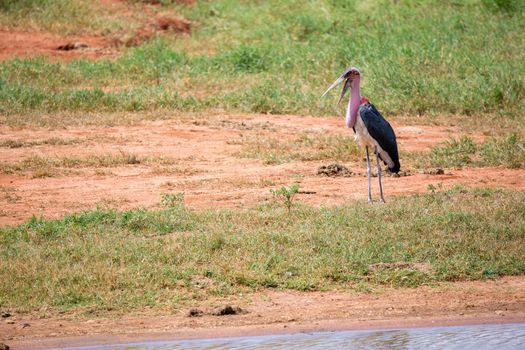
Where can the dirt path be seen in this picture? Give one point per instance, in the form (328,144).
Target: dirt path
(200,158)
(268,311)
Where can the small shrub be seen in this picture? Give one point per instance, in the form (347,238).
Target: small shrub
(286,195)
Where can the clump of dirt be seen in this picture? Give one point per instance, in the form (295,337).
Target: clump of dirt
(334,170)
(401,173)
(227,310)
(72,46)
(220,311)
(4,346)
(437,171)
(177,25)
(195,313)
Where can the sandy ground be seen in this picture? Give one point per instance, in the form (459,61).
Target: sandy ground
(274,312)
(204,163)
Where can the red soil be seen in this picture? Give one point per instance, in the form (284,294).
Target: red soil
(206,166)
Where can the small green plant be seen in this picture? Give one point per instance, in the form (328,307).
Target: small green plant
(286,195)
(173,200)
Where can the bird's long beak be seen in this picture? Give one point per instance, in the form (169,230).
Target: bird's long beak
(337,82)
(345,89)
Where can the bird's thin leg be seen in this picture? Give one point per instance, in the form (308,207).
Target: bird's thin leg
(368,173)
(382,200)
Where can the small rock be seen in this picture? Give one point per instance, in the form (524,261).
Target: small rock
(499,312)
(6,314)
(461,313)
(227,310)
(10,322)
(195,313)
(4,346)
(25,325)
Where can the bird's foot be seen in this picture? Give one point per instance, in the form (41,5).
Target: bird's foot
(382,201)
(370,201)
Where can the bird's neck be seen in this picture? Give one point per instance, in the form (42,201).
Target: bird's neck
(353,104)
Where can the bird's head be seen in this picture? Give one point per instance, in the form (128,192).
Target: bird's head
(349,75)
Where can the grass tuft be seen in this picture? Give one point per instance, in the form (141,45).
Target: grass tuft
(508,151)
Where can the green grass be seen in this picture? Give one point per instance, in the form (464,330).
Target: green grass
(109,260)
(503,151)
(62,17)
(426,58)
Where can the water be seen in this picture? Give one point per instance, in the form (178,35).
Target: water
(506,336)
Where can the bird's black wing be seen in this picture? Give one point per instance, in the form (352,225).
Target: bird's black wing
(381,131)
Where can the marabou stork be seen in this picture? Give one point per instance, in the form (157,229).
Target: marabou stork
(370,128)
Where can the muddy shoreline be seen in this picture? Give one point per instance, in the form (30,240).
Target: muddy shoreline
(263,330)
(281,312)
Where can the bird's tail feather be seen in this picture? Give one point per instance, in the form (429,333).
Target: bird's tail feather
(395,168)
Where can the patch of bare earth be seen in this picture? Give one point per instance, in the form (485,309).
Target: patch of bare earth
(270,311)
(16,43)
(200,158)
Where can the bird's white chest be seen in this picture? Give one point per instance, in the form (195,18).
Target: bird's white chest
(362,136)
